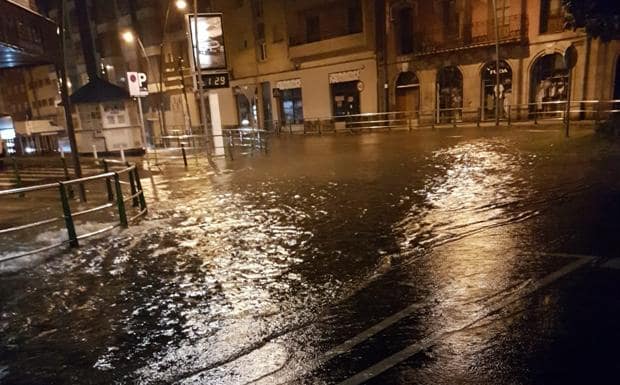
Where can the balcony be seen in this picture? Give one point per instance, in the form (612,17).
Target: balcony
(327,46)
(478,34)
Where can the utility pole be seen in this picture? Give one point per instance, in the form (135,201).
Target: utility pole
(180,69)
(497,91)
(66,102)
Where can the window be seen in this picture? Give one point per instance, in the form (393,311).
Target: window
(345,98)
(292,106)
(313,28)
(502,11)
(43,102)
(354,18)
(404,28)
(551,16)
(262,52)
(257,8)
(260,31)
(51,102)
(450,18)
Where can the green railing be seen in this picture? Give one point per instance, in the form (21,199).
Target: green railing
(115,198)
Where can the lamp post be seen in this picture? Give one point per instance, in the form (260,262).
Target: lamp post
(180,5)
(129,37)
(201,95)
(497,91)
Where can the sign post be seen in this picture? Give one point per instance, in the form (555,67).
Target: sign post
(210,67)
(138,88)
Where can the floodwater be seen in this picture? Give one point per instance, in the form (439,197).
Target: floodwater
(432,257)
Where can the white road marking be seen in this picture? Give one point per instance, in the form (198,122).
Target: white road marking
(432,339)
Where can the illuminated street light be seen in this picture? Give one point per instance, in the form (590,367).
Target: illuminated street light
(128,36)
(180,4)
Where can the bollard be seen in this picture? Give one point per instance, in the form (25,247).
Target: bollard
(108,185)
(132,186)
(66,210)
(184,155)
(123,155)
(139,187)
(509,116)
(231,146)
(18,178)
(122,214)
(95,152)
(478,116)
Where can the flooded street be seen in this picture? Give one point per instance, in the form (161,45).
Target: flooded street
(435,257)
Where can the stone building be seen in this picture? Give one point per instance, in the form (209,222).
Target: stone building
(298,59)
(438,58)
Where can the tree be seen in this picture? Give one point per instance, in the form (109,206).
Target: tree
(599,18)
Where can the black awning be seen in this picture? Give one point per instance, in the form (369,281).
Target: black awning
(97,91)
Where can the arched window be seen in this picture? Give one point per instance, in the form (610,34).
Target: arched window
(492,94)
(408,93)
(548,82)
(449,94)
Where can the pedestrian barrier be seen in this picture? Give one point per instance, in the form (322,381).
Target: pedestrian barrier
(178,150)
(116,197)
(252,139)
(538,112)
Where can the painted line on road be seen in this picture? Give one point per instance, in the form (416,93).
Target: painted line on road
(432,339)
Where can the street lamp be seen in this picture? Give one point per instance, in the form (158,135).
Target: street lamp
(180,5)
(129,37)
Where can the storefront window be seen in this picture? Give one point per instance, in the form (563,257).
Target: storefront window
(549,81)
(345,98)
(292,106)
(449,94)
(492,94)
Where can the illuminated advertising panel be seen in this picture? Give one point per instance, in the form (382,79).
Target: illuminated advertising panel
(209,53)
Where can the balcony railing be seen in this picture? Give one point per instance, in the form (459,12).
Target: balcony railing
(323,34)
(431,40)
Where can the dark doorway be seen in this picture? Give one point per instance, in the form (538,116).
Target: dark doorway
(345,98)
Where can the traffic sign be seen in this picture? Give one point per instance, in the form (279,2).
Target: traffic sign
(137,84)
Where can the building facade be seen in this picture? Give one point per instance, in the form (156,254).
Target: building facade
(438,59)
(297,60)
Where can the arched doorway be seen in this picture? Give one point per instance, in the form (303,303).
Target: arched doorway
(449,94)
(408,93)
(492,94)
(548,83)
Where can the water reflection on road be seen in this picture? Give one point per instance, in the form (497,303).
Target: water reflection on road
(262,271)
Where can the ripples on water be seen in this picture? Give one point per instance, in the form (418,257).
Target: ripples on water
(228,265)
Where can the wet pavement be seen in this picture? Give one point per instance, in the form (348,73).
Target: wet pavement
(434,257)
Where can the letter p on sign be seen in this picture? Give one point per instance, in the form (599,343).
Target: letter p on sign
(137,84)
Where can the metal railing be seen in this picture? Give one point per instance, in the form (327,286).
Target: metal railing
(539,112)
(174,150)
(115,197)
(248,138)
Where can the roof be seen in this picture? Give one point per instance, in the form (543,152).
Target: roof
(98,90)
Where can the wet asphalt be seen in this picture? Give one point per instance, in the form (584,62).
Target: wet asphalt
(457,256)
